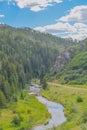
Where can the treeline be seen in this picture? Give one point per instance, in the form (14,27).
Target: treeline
(21,59)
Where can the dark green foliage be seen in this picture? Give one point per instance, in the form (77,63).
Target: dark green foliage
(44,83)
(1,128)
(2,100)
(42,74)
(75,72)
(15,98)
(79,99)
(25,54)
(22,95)
(16,120)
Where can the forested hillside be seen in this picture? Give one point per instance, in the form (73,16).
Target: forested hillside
(75,71)
(25,54)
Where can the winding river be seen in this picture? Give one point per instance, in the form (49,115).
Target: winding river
(56,110)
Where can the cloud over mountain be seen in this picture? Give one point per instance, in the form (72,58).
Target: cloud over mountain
(76,31)
(78,13)
(64,28)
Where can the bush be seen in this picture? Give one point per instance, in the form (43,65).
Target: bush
(15,99)
(22,95)
(14,111)
(2,100)
(79,99)
(16,120)
(1,128)
(84,117)
(44,84)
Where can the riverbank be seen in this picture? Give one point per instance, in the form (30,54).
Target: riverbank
(23,114)
(75,109)
(55,109)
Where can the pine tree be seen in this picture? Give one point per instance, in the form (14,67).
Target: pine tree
(44,83)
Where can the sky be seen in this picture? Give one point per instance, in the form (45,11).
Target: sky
(63,18)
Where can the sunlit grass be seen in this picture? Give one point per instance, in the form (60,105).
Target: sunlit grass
(73,109)
(29,110)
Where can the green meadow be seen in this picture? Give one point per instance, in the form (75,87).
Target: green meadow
(23,114)
(75,104)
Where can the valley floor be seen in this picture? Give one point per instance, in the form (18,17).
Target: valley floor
(75,102)
(23,114)
(29,112)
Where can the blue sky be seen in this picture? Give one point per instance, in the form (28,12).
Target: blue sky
(64,18)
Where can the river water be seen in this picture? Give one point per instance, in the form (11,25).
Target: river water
(55,109)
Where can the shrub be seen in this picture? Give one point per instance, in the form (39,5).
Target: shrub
(14,111)
(1,128)
(15,99)
(44,84)
(79,99)
(84,117)
(16,120)
(22,95)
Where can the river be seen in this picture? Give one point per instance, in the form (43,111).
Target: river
(55,109)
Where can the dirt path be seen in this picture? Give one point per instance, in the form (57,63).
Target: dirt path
(65,86)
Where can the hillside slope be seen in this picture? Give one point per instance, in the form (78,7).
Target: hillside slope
(75,71)
(25,54)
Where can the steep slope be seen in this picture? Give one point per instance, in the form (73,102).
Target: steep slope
(25,54)
(75,71)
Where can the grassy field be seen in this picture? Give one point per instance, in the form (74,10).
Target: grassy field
(26,113)
(75,103)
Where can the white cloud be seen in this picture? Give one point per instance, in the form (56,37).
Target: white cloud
(77,31)
(35,5)
(78,13)
(2,15)
(57,28)
(64,29)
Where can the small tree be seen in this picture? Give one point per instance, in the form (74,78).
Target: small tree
(16,120)
(44,83)
(22,95)
(42,74)
(2,99)
(15,99)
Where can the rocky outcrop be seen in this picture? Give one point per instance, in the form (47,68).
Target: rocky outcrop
(67,55)
(63,59)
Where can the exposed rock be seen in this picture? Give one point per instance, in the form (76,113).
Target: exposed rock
(63,59)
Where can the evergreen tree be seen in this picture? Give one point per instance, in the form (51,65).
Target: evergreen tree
(2,100)
(44,83)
